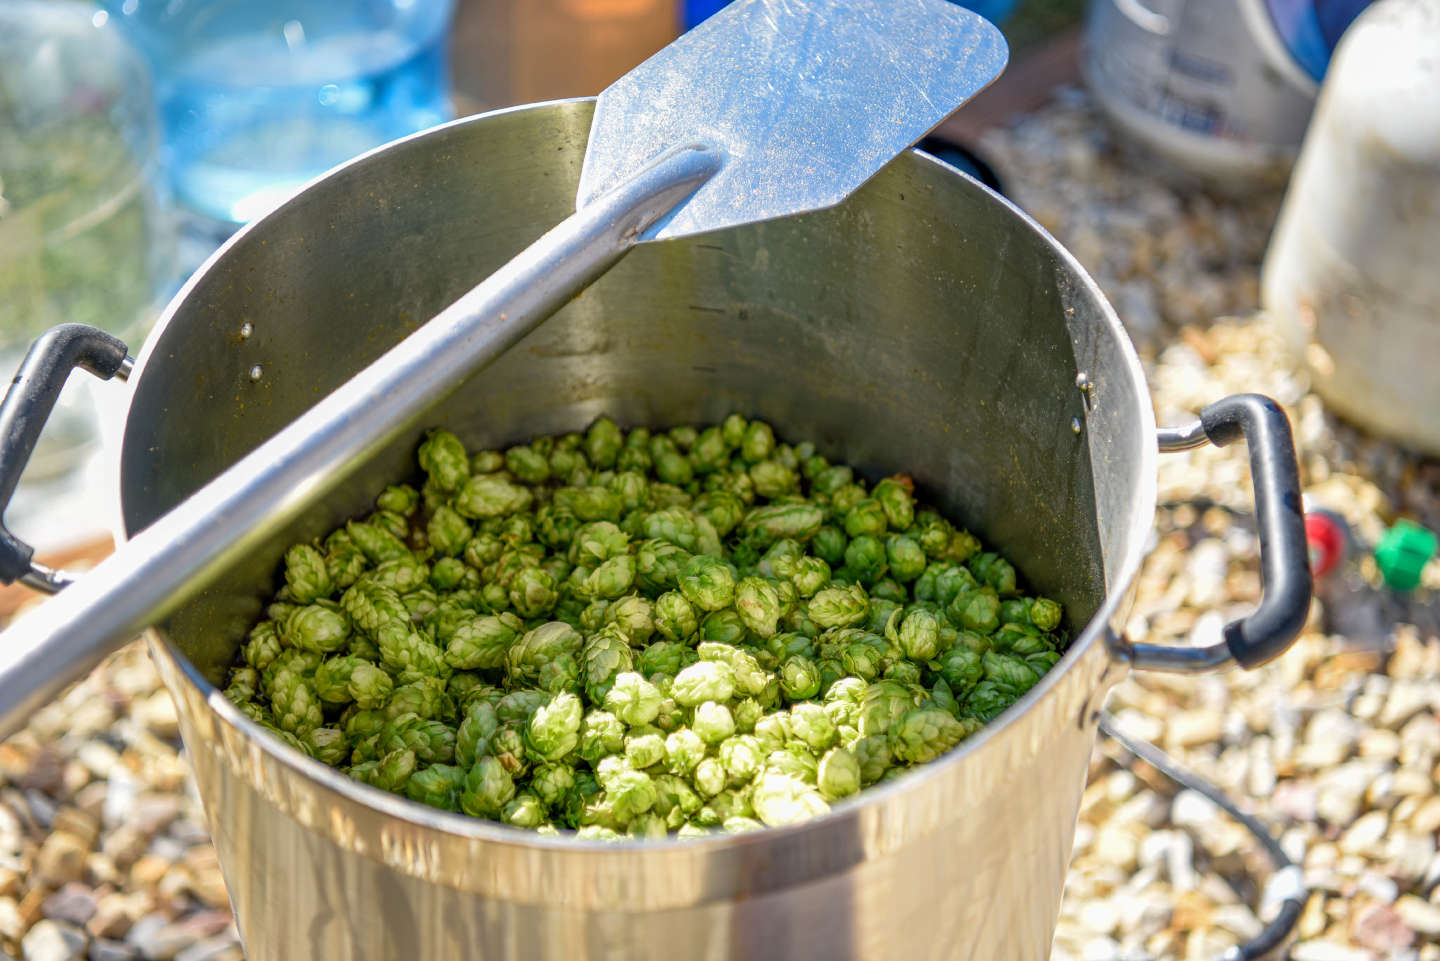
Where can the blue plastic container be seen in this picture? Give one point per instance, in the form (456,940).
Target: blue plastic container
(258,96)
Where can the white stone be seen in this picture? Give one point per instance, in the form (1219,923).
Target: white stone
(1191,809)
(1378,887)
(1327,951)
(1423,916)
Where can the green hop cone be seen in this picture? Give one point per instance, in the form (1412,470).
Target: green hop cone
(707,583)
(630,793)
(742,757)
(994,572)
(391,773)
(590,503)
(713,722)
(490,496)
(723,509)
(611,579)
(553,731)
(644,750)
(684,749)
(438,786)
(370,606)
(243,682)
(327,745)
(407,655)
(605,654)
(478,726)
(523,811)
(812,726)
(263,646)
(780,799)
(424,696)
(799,677)
(896,497)
(809,576)
(758,604)
(725,627)
(480,643)
(757,442)
(961,668)
(1009,673)
(635,615)
(658,564)
(528,465)
(601,734)
(634,700)
(1045,614)
(924,734)
(369,686)
(602,443)
(866,517)
(550,783)
(399,499)
(442,457)
(764,526)
(488,787)
(703,681)
(306,575)
(533,592)
(448,532)
(919,635)
(377,544)
(664,657)
(597,542)
(874,758)
(332,678)
(884,703)
(536,648)
(975,610)
(400,574)
(905,557)
(838,775)
(315,628)
(431,742)
(865,558)
(773,479)
(838,606)
(295,704)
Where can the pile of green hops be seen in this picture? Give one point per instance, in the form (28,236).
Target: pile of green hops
(640,634)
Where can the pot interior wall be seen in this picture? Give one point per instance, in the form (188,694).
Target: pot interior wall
(922,326)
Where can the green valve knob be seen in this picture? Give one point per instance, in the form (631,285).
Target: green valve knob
(1402,553)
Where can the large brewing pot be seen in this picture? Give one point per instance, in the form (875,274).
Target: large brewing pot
(924,325)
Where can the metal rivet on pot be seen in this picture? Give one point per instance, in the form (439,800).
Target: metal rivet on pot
(256,372)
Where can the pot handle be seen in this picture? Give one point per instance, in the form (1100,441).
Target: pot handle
(1284,557)
(23,413)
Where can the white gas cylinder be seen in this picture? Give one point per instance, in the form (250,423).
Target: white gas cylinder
(1352,274)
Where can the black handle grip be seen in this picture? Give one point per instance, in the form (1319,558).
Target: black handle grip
(1279,519)
(27,406)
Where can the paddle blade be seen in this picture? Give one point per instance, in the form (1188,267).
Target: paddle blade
(808,99)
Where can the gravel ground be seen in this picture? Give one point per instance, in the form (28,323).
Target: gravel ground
(104,853)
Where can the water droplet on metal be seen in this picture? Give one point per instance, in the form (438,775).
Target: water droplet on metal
(246,329)
(1075,426)
(1082,380)
(256,372)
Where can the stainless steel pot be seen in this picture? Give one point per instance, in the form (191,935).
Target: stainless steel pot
(924,325)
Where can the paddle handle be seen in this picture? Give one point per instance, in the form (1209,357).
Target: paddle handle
(185,550)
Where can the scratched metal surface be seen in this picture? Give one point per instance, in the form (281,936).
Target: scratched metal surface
(807,98)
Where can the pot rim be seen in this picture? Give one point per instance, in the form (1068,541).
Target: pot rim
(1140,517)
